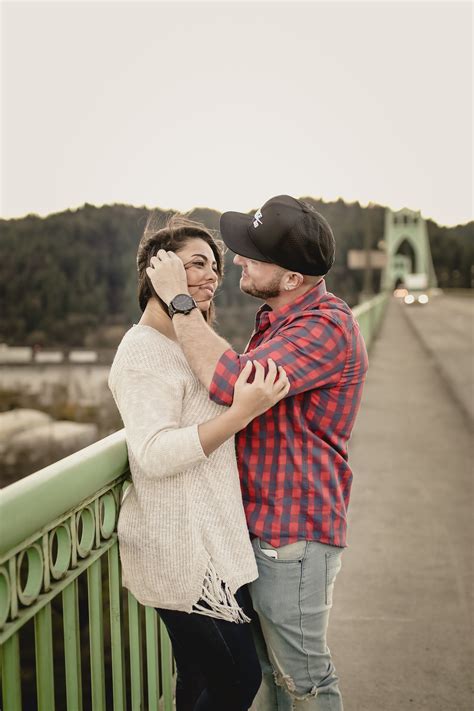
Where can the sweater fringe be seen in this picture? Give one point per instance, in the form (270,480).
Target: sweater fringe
(221,602)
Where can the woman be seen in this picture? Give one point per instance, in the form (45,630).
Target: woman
(183,538)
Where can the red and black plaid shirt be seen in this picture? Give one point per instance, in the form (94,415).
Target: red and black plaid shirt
(292,460)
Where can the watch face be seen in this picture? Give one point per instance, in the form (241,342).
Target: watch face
(182,302)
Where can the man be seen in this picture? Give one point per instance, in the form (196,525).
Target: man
(295,477)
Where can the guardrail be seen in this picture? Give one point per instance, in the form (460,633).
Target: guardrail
(369,316)
(59,571)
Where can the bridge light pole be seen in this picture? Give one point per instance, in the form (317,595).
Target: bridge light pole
(367,289)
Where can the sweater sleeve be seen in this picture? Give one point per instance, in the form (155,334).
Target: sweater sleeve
(150,406)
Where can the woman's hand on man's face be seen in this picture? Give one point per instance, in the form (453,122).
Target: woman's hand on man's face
(168,275)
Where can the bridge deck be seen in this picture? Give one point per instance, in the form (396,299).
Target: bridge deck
(401,629)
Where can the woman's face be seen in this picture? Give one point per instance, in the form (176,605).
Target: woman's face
(201,271)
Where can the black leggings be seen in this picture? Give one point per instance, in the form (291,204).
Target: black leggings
(217,665)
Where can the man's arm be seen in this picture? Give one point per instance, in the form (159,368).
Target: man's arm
(202,346)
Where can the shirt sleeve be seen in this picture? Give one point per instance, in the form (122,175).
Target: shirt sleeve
(312,350)
(150,407)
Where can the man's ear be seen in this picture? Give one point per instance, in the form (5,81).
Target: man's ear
(292,280)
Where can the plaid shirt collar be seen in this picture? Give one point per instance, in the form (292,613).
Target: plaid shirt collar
(266,316)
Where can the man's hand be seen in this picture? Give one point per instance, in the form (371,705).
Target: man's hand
(168,275)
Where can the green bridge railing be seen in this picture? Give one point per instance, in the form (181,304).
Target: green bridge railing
(369,316)
(71,637)
(60,573)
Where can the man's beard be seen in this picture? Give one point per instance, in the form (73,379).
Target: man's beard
(270,291)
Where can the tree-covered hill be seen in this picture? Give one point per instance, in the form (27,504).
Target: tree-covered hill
(69,279)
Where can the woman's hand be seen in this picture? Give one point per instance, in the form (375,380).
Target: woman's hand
(252,399)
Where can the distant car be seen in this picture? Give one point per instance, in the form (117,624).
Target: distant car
(411,296)
(416,298)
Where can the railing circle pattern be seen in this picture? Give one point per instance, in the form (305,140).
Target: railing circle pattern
(85,526)
(29,570)
(108,514)
(60,551)
(5,596)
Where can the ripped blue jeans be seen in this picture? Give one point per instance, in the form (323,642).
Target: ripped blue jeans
(293,599)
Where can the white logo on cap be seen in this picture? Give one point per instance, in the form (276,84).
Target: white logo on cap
(258,219)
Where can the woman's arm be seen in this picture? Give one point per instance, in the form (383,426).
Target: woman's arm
(250,401)
(151,405)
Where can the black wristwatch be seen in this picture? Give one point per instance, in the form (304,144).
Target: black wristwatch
(181,304)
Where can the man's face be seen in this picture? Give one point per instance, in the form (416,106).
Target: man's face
(259,279)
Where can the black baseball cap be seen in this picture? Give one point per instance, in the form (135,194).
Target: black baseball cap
(286,232)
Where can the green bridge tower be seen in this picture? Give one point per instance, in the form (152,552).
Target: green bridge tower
(406,227)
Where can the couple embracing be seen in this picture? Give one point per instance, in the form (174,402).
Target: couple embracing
(235,522)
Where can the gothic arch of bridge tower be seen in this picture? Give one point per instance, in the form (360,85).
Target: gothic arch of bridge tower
(406,226)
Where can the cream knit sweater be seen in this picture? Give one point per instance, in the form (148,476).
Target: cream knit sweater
(182,530)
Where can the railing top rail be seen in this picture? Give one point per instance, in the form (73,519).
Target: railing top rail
(367,305)
(31,503)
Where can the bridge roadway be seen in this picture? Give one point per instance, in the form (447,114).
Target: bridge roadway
(401,629)
(446,330)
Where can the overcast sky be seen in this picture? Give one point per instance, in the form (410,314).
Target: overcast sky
(225,104)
